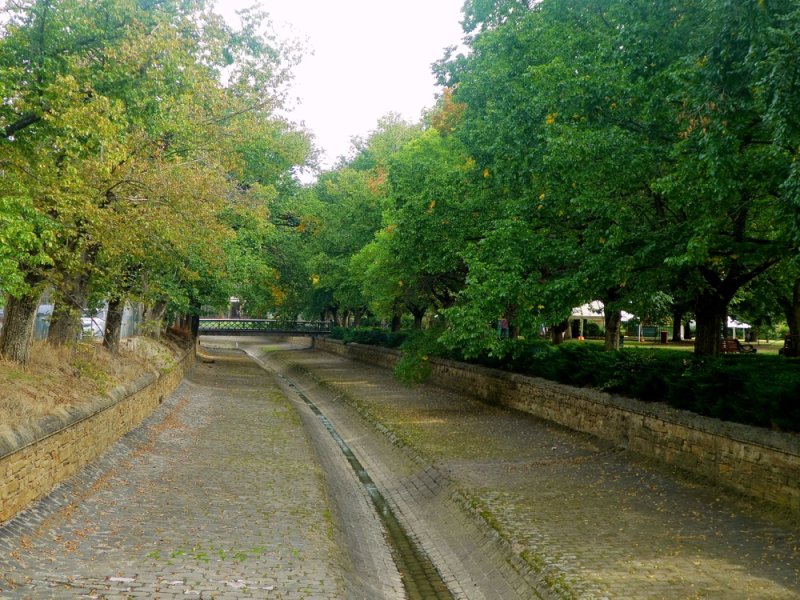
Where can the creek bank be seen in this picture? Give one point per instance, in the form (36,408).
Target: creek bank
(33,462)
(759,463)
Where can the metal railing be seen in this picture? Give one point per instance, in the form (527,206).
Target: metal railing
(262,326)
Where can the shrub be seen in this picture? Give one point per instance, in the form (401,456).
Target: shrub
(414,366)
(593,330)
(369,336)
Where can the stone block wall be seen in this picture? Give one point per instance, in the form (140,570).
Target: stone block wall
(30,469)
(757,462)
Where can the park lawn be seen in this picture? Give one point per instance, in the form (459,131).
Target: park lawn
(763,346)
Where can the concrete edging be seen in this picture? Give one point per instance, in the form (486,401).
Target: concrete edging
(36,461)
(756,462)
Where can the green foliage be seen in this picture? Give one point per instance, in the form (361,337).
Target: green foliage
(624,151)
(758,390)
(414,364)
(127,130)
(414,262)
(369,336)
(26,237)
(751,389)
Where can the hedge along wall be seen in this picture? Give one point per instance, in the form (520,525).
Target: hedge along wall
(757,462)
(31,469)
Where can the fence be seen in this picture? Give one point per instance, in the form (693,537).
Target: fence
(93,327)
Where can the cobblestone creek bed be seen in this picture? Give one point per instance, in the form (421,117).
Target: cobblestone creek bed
(218,495)
(586,519)
(234,488)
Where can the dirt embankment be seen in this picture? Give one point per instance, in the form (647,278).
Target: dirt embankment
(58,380)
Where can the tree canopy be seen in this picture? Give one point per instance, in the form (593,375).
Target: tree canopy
(600,150)
(128,130)
(582,151)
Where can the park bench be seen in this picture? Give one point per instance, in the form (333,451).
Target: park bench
(731,346)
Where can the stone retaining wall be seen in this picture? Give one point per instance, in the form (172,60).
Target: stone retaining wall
(31,469)
(757,462)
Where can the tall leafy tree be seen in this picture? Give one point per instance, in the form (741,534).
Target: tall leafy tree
(627,156)
(121,110)
(351,200)
(415,263)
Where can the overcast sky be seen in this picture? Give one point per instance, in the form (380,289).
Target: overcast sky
(371,57)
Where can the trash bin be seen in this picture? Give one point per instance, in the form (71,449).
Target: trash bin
(663,337)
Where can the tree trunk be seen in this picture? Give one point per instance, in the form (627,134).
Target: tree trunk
(709,316)
(154,319)
(791,310)
(116,306)
(557,332)
(16,336)
(396,322)
(193,321)
(418,316)
(723,330)
(613,319)
(65,324)
(677,318)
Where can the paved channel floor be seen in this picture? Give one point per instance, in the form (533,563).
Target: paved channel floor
(217,495)
(229,491)
(591,520)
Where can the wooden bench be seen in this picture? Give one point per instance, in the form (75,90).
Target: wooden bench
(731,346)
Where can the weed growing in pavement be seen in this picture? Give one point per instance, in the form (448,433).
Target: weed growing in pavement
(481,509)
(204,555)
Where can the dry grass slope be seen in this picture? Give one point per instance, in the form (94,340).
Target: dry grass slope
(61,380)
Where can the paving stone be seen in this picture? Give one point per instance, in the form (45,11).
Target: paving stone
(588,520)
(233,489)
(218,495)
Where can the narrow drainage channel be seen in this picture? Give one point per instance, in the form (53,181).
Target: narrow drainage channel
(421,580)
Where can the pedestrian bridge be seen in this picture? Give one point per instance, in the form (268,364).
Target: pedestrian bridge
(263,327)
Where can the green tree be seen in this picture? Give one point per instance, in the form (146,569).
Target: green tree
(414,262)
(351,200)
(625,158)
(121,111)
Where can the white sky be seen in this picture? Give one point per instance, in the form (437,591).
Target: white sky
(371,57)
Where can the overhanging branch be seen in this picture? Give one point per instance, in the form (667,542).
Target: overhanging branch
(24,121)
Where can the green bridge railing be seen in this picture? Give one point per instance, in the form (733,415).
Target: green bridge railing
(262,326)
